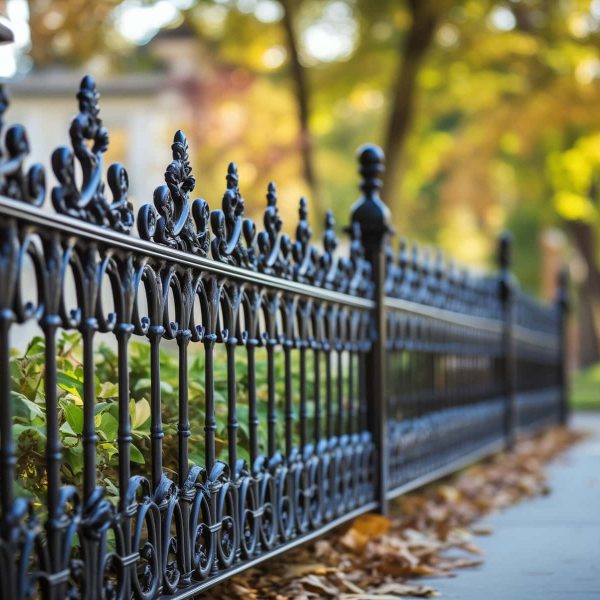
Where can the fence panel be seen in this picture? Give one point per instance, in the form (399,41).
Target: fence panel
(205,395)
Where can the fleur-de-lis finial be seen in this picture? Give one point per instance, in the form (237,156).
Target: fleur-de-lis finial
(228,225)
(328,262)
(171,221)
(15,183)
(304,254)
(361,283)
(273,246)
(88,202)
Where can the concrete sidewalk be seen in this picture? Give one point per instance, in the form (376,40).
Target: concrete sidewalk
(548,547)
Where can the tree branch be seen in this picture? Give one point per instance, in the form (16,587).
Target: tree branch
(425,17)
(299,75)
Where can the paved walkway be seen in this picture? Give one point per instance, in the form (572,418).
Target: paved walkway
(548,547)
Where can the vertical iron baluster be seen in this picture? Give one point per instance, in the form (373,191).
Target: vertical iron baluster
(89,438)
(210,423)
(362,389)
(9,265)
(183,426)
(303,411)
(339,350)
(271,407)
(232,422)
(89,326)
(50,322)
(352,424)
(328,391)
(253,424)
(155,333)
(288,409)
(317,391)
(124,438)
(8,457)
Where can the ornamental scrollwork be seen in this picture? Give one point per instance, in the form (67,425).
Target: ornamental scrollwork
(329,265)
(274,247)
(16,182)
(361,282)
(171,221)
(305,255)
(89,140)
(230,228)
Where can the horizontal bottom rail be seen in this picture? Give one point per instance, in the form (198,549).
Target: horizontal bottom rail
(192,591)
(537,408)
(454,465)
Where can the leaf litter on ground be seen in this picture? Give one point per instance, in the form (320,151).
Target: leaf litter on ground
(430,532)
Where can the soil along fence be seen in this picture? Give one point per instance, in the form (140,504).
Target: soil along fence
(206,392)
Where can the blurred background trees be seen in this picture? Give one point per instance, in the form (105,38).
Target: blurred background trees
(486,109)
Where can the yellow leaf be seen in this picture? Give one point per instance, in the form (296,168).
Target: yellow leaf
(371,524)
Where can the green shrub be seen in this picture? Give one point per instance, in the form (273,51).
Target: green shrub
(585,389)
(29,401)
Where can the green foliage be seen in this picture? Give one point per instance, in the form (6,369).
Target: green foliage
(573,174)
(30,410)
(585,390)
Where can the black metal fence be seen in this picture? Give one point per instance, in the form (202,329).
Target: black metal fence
(341,381)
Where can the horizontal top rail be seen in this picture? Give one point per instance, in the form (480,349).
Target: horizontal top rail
(536,338)
(82,230)
(443,314)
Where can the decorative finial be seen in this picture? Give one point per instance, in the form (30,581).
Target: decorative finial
(369,211)
(88,201)
(274,248)
(304,254)
(171,221)
(562,292)
(229,226)
(328,262)
(504,251)
(16,183)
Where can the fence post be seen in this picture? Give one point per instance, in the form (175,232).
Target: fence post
(373,216)
(506,291)
(562,304)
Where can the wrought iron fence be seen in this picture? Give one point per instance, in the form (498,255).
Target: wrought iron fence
(363,375)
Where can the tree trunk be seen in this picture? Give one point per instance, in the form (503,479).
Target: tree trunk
(299,75)
(584,240)
(425,16)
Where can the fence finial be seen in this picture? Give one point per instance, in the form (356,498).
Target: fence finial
(369,211)
(562,289)
(504,251)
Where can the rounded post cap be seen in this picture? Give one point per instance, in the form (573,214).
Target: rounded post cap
(504,248)
(369,210)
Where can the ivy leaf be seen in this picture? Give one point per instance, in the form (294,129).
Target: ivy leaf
(74,416)
(108,389)
(67,429)
(108,427)
(19,430)
(27,409)
(136,455)
(70,383)
(74,459)
(140,414)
